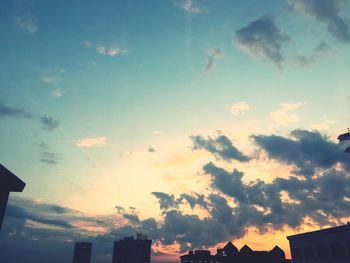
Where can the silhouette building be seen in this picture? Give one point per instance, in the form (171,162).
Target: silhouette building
(8,183)
(230,254)
(82,252)
(132,250)
(331,245)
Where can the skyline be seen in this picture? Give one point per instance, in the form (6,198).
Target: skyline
(162,116)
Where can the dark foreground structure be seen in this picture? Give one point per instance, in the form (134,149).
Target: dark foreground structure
(131,250)
(8,183)
(230,254)
(331,245)
(82,252)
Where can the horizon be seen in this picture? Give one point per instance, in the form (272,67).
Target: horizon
(194,122)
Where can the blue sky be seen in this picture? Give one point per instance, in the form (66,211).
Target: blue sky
(100,100)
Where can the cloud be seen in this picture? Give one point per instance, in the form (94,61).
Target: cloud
(285,114)
(49,123)
(26,23)
(48,156)
(324,125)
(112,51)
(191,6)
(306,150)
(151,149)
(166,201)
(318,190)
(262,38)
(87,43)
(318,51)
(54,76)
(14,211)
(239,108)
(56,93)
(213,56)
(46,232)
(92,142)
(158,132)
(327,12)
(221,147)
(316,198)
(6,111)
(49,79)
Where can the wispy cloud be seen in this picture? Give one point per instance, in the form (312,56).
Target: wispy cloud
(56,93)
(112,50)
(239,108)
(318,51)
(6,111)
(213,56)
(327,12)
(54,76)
(191,6)
(47,156)
(158,132)
(87,43)
(49,123)
(324,125)
(262,38)
(26,23)
(285,114)
(92,142)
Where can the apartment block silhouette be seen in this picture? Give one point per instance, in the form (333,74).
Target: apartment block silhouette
(82,252)
(132,250)
(330,245)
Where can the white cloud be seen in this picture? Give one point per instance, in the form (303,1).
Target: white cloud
(158,132)
(285,114)
(87,43)
(49,79)
(27,24)
(54,76)
(324,125)
(106,50)
(191,6)
(92,142)
(111,51)
(56,93)
(239,108)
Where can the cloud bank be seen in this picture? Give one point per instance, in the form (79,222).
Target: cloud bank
(318,189)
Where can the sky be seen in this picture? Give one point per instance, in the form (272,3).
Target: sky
(195,122)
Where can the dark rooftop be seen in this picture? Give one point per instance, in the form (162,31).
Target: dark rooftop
(10,182)
(322,231)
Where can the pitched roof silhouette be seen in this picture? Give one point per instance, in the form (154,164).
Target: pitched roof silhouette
(10,182)
(277,249)
(230,249)
(246,249)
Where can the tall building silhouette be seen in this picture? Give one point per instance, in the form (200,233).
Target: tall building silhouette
(131,250)
(82,252)
(8,183)
(330,245)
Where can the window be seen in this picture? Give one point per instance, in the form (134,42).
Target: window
(322,251)
(296,254)
(309,253)
(337,250)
